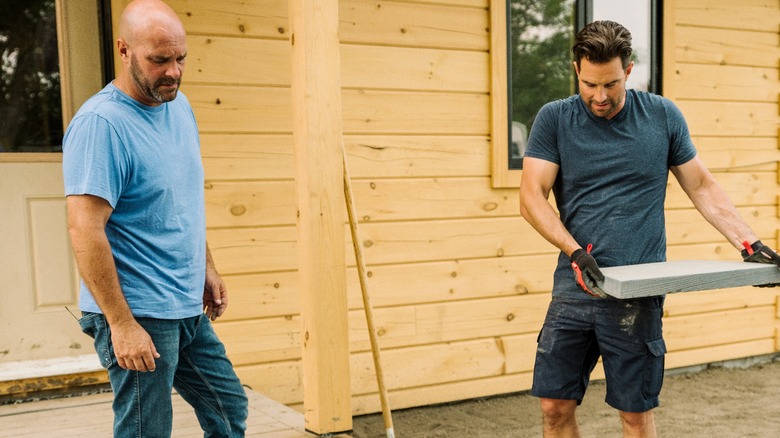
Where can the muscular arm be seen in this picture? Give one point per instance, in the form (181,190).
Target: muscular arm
(537,181)
(712,202)
(87,218)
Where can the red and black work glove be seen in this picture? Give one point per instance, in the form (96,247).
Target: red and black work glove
(586,272)
(757,252)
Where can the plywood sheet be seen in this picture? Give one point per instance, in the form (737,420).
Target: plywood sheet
(652,279)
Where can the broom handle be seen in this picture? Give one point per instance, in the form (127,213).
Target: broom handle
(353,227)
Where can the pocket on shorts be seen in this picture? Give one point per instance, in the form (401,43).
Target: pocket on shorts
(654,367)
(94,325)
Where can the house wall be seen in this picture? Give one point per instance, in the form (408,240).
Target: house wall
(459,282)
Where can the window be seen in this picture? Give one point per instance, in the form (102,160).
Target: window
(539,35)
(50,62)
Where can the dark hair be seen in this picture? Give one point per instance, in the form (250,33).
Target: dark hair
(601,41)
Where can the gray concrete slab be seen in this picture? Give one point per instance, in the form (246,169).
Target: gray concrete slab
(653,279)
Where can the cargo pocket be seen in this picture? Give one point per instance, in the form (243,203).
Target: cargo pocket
(654,368)
(94,325)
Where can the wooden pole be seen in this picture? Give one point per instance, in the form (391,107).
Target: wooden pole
(317,121)
(361,267)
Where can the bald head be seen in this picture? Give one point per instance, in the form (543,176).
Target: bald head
(152,45)
(143,18)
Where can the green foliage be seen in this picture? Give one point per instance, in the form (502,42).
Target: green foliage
(30,104)
(541,36)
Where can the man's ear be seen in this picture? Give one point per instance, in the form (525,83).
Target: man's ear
(576,68)
(121,47)
(629,68)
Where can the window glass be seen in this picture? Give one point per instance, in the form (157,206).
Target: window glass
(540,36)
(31,108)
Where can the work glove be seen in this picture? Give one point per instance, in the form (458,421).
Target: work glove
(587,273)
(757,252)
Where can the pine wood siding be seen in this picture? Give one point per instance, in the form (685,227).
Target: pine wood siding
(459,282)
(724,77)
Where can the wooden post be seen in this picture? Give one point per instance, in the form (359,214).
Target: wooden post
(317,120)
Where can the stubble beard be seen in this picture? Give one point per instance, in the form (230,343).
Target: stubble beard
(152,90)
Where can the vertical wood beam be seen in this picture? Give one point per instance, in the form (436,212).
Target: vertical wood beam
(317,135)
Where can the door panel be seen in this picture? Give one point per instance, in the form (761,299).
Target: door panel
(39,280)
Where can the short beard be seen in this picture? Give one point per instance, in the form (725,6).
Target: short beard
(151,90)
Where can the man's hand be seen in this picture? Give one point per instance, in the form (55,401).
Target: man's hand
(757,252)
(587,273)
(214,295)
(133,347)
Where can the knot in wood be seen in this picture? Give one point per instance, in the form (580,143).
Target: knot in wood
(237,210)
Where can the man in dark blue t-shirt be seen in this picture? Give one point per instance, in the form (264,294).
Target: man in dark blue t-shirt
(606,154)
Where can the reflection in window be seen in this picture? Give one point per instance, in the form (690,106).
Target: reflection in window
(30,109)
(541,33)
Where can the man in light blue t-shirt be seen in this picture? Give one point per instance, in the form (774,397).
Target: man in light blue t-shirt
(606,154)
(136,216)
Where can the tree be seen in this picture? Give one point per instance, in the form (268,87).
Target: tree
(541,35)
(30,103)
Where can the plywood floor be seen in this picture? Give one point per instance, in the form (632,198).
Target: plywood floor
(91,416)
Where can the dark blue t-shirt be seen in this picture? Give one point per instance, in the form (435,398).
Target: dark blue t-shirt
(611,185)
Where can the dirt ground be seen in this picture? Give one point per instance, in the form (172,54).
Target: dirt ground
(736,399)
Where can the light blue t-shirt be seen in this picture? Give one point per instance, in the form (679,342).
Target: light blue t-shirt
(611,185)
(145,161)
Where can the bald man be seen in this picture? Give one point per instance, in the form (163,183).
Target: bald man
(136,218)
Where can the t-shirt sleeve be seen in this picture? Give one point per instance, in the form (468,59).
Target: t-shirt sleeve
(543,139)
(93,159)
(681,148)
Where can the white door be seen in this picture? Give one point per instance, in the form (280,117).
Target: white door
(38,278)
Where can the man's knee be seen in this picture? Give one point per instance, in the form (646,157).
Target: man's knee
(640,424)
(558,411)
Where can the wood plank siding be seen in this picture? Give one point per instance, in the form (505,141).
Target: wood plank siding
(459,282)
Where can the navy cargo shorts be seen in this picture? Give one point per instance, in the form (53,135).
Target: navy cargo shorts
(627,334)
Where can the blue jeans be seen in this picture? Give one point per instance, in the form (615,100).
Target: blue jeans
(192,360)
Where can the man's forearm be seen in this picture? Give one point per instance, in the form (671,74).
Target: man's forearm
(543,218)
(712,202)
(98,270)
(715,206)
